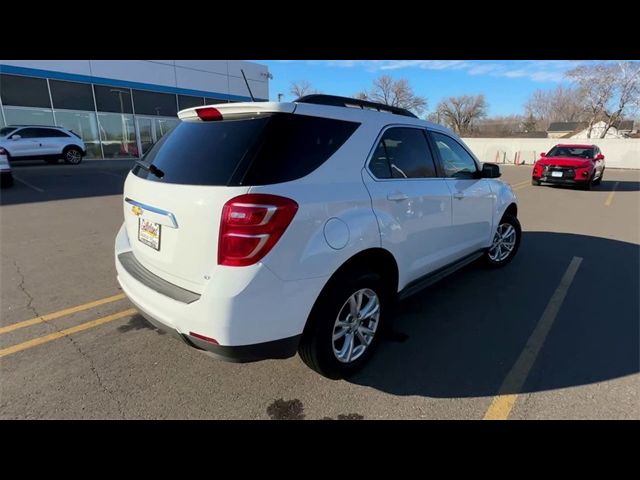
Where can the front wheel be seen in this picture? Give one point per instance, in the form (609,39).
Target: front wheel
(72,156)
(599,180)
(344,327)
(506,242)
(535,183)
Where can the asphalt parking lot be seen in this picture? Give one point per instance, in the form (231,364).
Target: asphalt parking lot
(554,335)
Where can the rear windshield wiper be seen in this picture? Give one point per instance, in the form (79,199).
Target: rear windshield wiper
(150,168)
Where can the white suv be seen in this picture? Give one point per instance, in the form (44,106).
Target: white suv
(37,142)
(255,230)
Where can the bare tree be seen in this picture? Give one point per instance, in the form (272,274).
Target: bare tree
(460,113)
(559,105)
(627,92)
(301,88)
(397,93)
(596,85)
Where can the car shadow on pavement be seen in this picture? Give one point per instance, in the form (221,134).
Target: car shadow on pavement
(606,186)
(464,334)
(42,183)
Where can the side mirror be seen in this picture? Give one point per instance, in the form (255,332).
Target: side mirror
(543,154)
(15,137)
(490,170)
(600,157)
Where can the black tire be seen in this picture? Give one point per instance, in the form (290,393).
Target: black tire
(496,263)
(535,183)
(317,345)
(599,180)
(72,155)
(52,161)
(6,181)
(588,184)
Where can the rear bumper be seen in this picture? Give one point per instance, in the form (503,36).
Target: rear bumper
(276,349)
(249,312)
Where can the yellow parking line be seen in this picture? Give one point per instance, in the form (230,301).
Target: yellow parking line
(503,403)
(610,197)
(63,333)
(61,313)
(521,183)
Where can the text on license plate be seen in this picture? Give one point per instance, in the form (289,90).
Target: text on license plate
(149,233)
(556,174)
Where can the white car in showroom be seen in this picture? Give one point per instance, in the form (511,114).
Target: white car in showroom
(258,230)
(38,142)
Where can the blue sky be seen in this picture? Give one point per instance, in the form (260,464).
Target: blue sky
(506,84)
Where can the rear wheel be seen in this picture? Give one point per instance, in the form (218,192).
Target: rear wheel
(72,155)
(506,242)
(344,327)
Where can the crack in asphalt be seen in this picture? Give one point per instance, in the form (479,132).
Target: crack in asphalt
(82,353)
(24,290)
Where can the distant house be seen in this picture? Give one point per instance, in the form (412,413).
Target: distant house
(562,129)
(623,130)
(580,130)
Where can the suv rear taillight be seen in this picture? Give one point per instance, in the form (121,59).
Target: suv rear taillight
(251,225)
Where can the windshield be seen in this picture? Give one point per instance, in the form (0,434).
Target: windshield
(6,131)
(578,152)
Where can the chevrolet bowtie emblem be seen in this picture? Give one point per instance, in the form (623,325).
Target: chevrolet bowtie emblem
(137,211)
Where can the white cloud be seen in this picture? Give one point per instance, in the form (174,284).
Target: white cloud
(535,70)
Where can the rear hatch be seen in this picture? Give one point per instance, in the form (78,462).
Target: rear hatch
(174,196)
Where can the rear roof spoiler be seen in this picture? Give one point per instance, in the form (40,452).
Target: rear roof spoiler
(230,111)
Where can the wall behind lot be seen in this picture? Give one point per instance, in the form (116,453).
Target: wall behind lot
(217,76)
(619,153)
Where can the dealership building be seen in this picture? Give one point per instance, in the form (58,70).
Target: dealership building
(120,108)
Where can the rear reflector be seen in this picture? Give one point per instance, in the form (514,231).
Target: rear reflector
(208,114)
(202,337)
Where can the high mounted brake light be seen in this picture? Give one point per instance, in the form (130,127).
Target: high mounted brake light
(209,114)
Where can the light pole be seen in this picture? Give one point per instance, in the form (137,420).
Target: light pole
(280,95)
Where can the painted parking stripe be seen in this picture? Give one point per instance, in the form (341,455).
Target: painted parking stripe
(24,182)
(63,333)
(611,195)
(503,403)
(520,184)
(61,313)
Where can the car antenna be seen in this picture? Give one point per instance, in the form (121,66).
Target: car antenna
(248,87)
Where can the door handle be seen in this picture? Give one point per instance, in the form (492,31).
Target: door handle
(397,197)
(459,196)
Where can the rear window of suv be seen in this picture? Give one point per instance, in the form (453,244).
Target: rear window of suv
(262,150)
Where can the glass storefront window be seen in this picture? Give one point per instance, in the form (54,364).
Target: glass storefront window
(24,91)
(85,125)
(153,103)
(113,99)
(28,116)
(72,95)
(118,135)
(163,125)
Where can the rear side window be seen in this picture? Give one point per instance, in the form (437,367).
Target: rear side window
(255,151)
(49,132)
(402,153)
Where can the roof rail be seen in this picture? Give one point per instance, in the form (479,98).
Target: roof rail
(336,101)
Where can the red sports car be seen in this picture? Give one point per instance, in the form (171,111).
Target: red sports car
(578,165)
